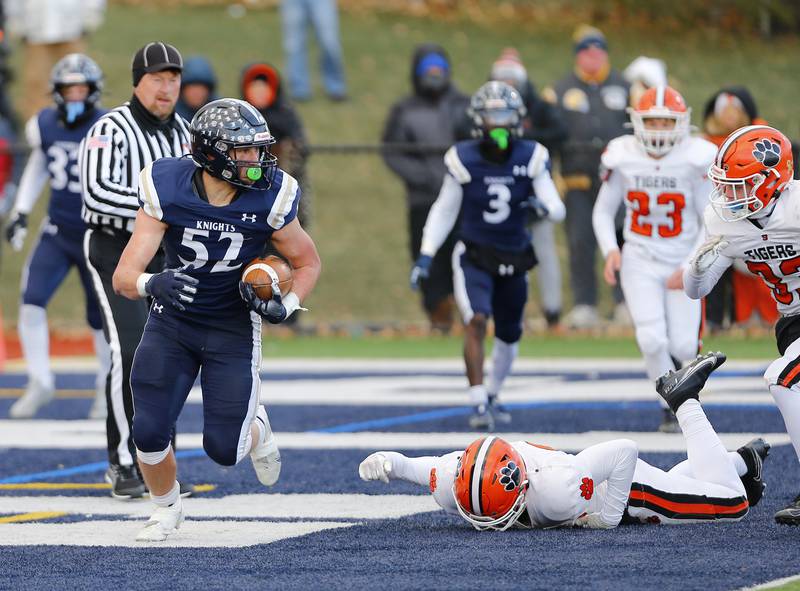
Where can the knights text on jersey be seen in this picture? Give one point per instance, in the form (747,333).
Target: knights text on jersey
(771,252)
(60,145)
(664,198)
(493,209)
(214,243)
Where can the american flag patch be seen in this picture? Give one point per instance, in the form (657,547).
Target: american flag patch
(98,141)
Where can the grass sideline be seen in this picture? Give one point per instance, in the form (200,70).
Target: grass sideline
(359,212)
(449,347)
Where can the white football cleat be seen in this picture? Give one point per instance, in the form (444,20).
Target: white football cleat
(266,457)
(164,522)
(36,396)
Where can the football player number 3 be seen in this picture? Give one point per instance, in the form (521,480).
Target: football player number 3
(640,207)
(779,290)
(500,205)
(201,252)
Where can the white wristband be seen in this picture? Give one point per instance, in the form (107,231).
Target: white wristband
(141,282)
(292,303)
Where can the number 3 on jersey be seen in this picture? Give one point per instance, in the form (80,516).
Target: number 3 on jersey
(780,291)
(500,205)
(640,207)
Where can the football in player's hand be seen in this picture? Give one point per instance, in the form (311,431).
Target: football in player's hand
(259,273)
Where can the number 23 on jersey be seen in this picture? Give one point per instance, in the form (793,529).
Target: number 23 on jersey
(639,202)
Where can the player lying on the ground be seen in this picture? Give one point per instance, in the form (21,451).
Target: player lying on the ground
(754,216)
(494,484)
(214,213)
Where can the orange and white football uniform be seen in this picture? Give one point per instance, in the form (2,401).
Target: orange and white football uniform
(664,199)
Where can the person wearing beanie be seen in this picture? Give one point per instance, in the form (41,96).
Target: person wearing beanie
(198,86)
(541,123)
(431,117)
(592,100)
(117,147)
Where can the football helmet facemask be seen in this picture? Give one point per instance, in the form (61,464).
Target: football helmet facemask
(224,125)
(72,69)
(496,106)
(753,165)
(490,484)
(660,102)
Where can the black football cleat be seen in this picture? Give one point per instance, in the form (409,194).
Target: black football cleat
(500,413)
(791,514)
(754,453)
(125,481)
(676,387)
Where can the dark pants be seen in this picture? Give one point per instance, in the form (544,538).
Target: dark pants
(439,285)
(123,324)
(583,247)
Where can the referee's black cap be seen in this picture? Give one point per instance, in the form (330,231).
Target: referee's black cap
(155,57)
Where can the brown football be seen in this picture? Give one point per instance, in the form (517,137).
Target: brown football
(257,275)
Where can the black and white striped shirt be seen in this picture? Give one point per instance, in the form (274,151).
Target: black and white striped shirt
(118,146)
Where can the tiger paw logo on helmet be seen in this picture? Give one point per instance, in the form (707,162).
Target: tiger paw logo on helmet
(767,152)
(510,476)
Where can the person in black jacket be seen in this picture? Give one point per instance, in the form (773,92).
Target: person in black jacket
(198,86)
(261,86)
(420,127)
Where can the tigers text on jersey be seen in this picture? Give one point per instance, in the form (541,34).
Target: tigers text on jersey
(212,242)
(771,252)
(59,145)
(664,197)
(495,195)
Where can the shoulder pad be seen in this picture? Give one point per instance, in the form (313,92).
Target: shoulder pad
(555,493)
(455,167)
(538,162)
(698,152)
(33,134)
(148,195)
(285,202)
(618,150)
(715,226)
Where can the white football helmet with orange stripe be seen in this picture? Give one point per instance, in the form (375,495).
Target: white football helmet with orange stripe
(490,484)
(753,165)
(660,102)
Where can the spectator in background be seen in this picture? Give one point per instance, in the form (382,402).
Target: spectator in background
(50,29)
(429,117)
(198,86)
(323,16)
(542,123)
(738,293)
(262,87)
(592,100)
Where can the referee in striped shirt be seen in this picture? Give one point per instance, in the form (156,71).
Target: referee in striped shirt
(116,149)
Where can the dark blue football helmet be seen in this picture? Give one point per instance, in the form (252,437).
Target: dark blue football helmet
(76,68)
(223,125)
(496,105)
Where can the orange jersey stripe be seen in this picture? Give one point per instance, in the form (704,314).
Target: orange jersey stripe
(790,376)
(688,508)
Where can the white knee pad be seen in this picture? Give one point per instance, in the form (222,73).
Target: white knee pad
(651,338)
(151,458)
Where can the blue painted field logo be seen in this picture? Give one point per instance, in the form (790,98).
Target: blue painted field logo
(767,152)
(509,476)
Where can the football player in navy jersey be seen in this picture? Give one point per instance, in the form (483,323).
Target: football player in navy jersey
(490,185)
(215,212)
(54,135)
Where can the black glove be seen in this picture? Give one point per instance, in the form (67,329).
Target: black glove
(172,287)
(16,230)
(420,271)
(272,309)
(537,210)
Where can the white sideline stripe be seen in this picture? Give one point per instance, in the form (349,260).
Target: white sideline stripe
(255,506)
(192,534)
(772,584)
(32,434)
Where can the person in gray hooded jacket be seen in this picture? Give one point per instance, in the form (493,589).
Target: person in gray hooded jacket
(420,127)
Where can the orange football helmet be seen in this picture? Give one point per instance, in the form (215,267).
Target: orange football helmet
(490,484)
(753,165)
(660,102)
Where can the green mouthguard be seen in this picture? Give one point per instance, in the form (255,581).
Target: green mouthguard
(254,174)
(500,137)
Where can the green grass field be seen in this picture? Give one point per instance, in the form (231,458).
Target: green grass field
(359,222)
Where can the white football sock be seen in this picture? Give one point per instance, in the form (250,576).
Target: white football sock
(478,395)
(503,355)
(103,352)
(788,401)
(172,497)
(708,457)
(656,365)
(33,333)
